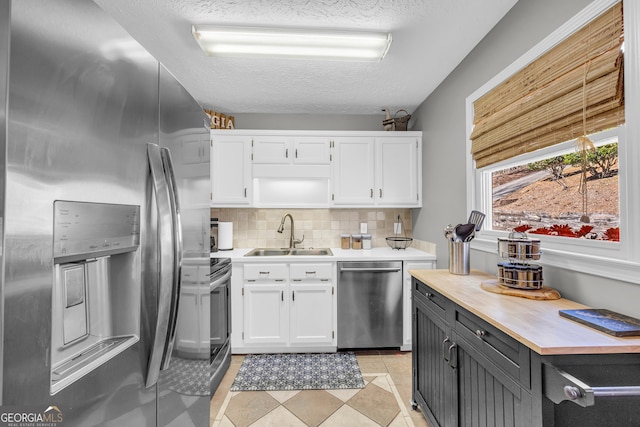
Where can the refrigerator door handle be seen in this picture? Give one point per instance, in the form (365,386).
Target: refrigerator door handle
(177,256)
(165,264)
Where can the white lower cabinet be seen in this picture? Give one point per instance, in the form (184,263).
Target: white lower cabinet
(312,304)
(192,330)
(288,307)
(406,299)
(265,314)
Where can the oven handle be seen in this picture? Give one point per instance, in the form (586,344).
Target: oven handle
(219,281)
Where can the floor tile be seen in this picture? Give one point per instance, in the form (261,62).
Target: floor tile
(247,407)
(279,417)
(400,421)
(344,394)
(313,406)
(372,366)
(283,395)
(221,392)
(346,416)
(419,420)
(383,383)
(368,378)
(376,403)
(224,422)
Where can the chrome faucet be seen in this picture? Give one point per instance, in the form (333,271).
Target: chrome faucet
(292,241)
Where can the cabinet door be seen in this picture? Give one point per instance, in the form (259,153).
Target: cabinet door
(230,170)
(353,171)
(271,150)
(311,313)
(265,314)
(204,310)
(433,377)
(192,329)
(194,150)
(486,395)
(397,171)
(311,150)
(188,326)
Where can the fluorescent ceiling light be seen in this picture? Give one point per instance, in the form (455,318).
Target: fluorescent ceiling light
(291,43)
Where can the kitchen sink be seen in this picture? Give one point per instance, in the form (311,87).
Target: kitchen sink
(287,251)
(311,251)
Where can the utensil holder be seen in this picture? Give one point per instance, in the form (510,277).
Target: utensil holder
(459,257)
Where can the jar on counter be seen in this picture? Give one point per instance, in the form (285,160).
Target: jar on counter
(356,241)
(345,241)
(366,241)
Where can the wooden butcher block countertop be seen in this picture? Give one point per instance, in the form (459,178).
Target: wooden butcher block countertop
(534,323)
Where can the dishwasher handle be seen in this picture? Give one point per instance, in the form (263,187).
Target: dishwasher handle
(370,269)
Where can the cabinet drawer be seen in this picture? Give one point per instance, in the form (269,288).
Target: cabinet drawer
(506,352)
(253,272)
(322,271)
(432,299)
(190,275)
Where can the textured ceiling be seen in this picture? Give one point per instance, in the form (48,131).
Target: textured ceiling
(430,38)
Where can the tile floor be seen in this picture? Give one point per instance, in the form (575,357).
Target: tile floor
(385,400)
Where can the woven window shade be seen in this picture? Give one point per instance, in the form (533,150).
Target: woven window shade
(544,103)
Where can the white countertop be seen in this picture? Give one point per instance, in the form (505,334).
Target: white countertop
(374,254)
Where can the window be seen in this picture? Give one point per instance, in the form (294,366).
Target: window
(545,193)
(600,251)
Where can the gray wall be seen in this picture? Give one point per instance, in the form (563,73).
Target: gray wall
(441,117)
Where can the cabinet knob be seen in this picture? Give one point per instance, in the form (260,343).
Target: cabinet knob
(428,295)
(480,333)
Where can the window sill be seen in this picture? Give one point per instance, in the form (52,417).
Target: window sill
(599,262)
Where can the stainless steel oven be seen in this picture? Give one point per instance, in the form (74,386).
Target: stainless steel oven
(220,317)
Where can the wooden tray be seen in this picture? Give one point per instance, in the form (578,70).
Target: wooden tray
(543,293)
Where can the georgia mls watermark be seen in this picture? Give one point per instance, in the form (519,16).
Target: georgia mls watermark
(31,416)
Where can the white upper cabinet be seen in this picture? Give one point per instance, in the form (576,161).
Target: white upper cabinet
(398,181)
(309,150)
(352,178)
(195,150)
(230,170)
(297,169)
(381,171)
(297,150)
(272,150)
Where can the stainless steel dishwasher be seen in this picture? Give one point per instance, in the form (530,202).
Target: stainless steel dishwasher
(369,304)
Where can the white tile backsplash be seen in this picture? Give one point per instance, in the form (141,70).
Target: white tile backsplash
(257,228)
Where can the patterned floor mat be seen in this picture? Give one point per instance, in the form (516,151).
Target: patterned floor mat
(189,376)
(323,371)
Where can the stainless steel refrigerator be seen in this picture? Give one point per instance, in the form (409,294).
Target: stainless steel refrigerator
(104,197)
